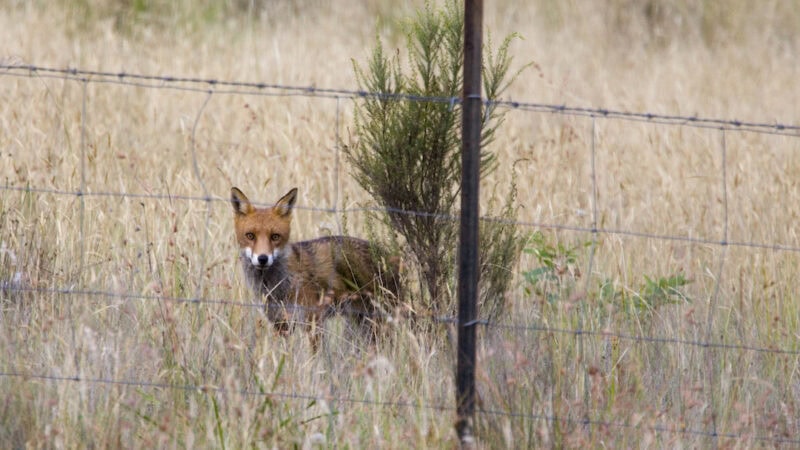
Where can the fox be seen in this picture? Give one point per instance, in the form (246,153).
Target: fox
(308,281)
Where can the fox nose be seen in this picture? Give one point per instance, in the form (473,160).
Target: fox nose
(263,260)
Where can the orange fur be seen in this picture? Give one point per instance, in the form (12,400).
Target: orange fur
(306,281)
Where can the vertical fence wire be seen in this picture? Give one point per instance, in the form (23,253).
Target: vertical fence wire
(81,276)
(204,231)
(82,191)
(206,195)
(712,351)
(334,207)
(337,146)
(588,274)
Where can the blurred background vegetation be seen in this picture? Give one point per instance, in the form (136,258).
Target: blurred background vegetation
(652,22)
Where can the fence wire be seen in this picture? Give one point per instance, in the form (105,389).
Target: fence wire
(195,84)
(213,87)
(422,319)
(373,209)
(388,405)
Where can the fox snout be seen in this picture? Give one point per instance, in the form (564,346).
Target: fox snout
(260,260)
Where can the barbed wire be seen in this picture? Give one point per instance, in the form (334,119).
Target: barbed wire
(218,86)
(378,209)
(226,87)
(221,390)
(420,317)
(210,388)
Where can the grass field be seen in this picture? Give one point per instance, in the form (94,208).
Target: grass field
(125,322)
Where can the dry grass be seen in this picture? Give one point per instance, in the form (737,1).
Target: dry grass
(154,372)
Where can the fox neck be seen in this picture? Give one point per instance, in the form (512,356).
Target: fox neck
(272,281)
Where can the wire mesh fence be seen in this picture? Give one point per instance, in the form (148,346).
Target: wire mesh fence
(596,350)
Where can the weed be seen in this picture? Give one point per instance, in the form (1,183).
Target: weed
(557,269)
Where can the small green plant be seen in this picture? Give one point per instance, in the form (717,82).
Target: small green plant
(662,291)
(643,301)
(557,269)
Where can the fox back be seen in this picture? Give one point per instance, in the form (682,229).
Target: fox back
(308,280)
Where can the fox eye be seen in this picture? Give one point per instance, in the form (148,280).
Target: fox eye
(250,236)
(275,237)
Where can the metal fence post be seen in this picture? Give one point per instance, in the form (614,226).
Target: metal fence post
(468,247)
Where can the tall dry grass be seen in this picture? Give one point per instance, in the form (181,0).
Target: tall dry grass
(104,345)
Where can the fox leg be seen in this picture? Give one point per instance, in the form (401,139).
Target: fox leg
(364,316)
(314,337)
(280,316)
(317,306)
(315,327)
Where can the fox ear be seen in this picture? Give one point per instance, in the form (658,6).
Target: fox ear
(241,205)
(284,206)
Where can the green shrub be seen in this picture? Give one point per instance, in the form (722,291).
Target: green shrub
(407,154)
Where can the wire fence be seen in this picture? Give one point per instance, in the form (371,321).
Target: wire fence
(293,396)
(214,87)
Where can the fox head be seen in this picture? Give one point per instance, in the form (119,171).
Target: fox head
(262,233)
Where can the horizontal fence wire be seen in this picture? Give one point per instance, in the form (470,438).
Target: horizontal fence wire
(363,209)
(254,88)
(419,318)
(227,87)
(207,388)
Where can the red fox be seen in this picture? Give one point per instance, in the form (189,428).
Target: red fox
(307,281)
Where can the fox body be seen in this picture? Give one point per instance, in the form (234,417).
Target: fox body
(306,281)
